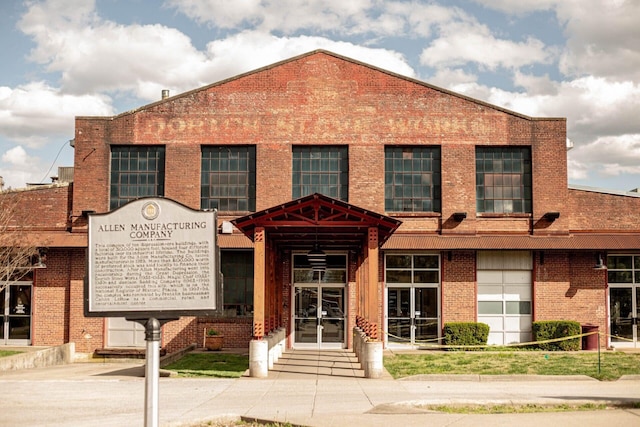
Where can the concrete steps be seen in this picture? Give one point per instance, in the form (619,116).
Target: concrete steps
(299,363)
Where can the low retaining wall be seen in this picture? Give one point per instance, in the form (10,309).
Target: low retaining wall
(60,355)
(369,354)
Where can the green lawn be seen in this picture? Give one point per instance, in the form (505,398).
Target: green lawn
(5,353)
(612,364)
(223,365)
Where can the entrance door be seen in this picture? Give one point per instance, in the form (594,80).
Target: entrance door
(623,277)
(412,315)
(623,306)
(319,315)
(15,313)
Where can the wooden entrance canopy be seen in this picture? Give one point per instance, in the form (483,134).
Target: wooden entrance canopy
(301,225)
(332,223)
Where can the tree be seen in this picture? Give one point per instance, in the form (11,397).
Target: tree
(18,256)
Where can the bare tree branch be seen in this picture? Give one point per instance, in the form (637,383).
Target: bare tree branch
(18,256)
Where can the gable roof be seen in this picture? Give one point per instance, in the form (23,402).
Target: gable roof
(317,218)
(346,59)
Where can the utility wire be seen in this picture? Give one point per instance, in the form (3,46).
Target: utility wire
(54,162)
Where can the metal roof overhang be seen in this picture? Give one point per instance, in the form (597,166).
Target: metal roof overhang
(316,218)
(591,241)
(51,239)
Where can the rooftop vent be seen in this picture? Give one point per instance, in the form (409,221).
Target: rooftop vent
(165,93)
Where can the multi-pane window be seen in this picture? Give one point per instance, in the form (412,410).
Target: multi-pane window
(237,270)
(623,269)
(228,181)
(322,170)
(412,179)
(136,171)
(415,269)
(503,180)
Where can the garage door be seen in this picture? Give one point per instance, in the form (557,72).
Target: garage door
(504,295)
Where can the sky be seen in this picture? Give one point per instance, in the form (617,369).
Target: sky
(578,59)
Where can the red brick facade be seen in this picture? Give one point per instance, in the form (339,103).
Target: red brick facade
(325,99)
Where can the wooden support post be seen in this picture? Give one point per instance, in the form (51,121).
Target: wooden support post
(373,299)
(259,283)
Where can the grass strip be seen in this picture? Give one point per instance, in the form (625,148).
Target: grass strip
(612,364)
(220,365)
(513,409)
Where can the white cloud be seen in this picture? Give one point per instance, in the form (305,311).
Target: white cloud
(32,113)
(535,85)
(610,156)
(353,17)
(453,78)
(101,56)
(19,168)
(462,43)
(576,170)
(603,36)
(253,49)
(518,7)
(16,156)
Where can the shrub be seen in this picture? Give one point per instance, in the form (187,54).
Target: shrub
(554,329)
(466,333)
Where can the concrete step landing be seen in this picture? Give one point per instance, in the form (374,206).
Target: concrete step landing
(303,363)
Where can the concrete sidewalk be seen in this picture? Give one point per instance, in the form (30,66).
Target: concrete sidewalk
(112,394)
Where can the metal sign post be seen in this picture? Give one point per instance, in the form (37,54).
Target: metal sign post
(152,261)
(152,374)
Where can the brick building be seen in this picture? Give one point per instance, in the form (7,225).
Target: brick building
(346,194)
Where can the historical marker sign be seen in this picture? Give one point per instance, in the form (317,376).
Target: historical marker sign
(152,257)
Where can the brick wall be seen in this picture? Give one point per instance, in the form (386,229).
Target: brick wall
(322,99)
(458,289)
(566,287)
(593,211)
(50,301)
(38,208)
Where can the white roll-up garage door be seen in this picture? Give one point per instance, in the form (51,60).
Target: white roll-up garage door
(504,295)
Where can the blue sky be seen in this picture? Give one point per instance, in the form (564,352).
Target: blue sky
(578,59)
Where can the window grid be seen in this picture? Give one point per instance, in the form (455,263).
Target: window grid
(623,269)
(237,269)
(136,171)
(322,170)
(228,181)
(503,180)
(412,179)
(412,269)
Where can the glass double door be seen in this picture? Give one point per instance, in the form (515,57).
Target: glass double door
(624,311)
(319,316)
(15,314)
(412,315)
